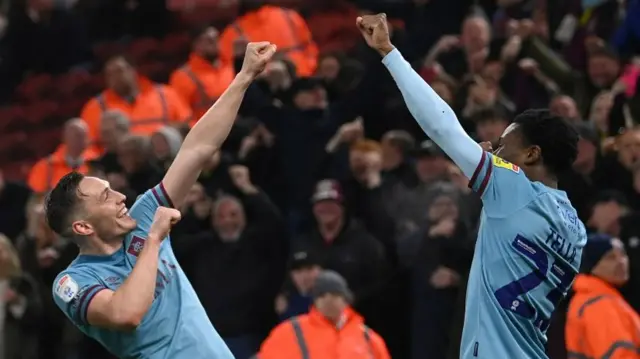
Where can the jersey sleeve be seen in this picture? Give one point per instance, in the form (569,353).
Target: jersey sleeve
(146,205)
(73,291)
(503,187)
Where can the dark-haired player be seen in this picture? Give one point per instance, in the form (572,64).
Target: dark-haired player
(126,289)
(530,240)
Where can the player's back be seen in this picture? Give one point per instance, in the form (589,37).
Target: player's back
(527,255)
(175,326)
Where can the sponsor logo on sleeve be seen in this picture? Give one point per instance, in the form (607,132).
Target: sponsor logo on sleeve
(499,162)
(66,288)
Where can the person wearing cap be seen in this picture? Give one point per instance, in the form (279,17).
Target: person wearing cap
(396,165)
(431,162)
(331,330)
(600,323)
(295,298)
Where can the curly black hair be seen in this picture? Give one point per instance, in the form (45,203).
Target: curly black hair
(556,137)
(61,203)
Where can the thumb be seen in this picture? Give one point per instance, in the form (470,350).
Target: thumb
(269,51)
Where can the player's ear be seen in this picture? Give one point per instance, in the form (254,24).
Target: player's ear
(82,228)
(534,155)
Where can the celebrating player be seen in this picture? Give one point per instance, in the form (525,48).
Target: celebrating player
(530,239)
(126,289)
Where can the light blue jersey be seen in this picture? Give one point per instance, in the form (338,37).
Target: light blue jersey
(527,255)
(176,326)
(530,241)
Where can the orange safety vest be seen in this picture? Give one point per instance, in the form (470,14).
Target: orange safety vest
(600,323)
(155,106)
(46,173)
(200,83)
(282,27)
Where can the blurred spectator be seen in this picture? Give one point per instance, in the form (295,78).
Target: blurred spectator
(114,126)
(148,105)
(13,198)
(204,77)
(600,322)
(71,155)
(330,325)
(283,27)
(236,266)
(295,298)
(397,146)
(165,144)
(490,124)
(139,172)
(20,307)
(606,211)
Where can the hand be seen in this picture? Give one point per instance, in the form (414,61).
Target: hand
(241,179)
(447,43)
(46,257)
(375,30)
(525,28)
(256,57)
(530,66)
(446,227)
(351,131)
(10,296)
(163,220)
(247,145)
(444,277)
(486,146)
(281,304)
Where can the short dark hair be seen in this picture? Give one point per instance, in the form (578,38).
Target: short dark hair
(556,137)
(61,202)
(490,114)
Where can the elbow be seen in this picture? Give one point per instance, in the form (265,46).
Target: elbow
(130,323)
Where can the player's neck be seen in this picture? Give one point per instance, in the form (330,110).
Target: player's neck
(541,175)
(98,247)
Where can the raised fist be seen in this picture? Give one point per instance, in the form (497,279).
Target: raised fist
(257,56)
(375,30)
(163,220)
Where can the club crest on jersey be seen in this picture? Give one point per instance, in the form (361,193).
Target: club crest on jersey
(66,288)
(499,162)
(136,245)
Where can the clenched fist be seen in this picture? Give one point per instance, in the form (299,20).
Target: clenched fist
(256,57)
(375,30)
(163,220)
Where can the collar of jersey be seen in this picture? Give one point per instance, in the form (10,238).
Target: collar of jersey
(91,258)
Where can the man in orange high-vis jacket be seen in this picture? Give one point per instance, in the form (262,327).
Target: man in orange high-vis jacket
(204,77)
(331,330)
(282,27)
(148,105)
(600,323)
(72,155)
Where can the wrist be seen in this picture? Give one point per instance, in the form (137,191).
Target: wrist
(385,49)
(244,79)
(153,241)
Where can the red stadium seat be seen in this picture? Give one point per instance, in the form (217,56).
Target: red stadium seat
(144,50)
(38,113)
(34,88)
(176,46)
(105,50)
(96,85)
(71,85)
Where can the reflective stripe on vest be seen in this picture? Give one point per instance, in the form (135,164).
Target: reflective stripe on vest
(163,102)
(49,172)
(299,46)
(205,101)
(302,343)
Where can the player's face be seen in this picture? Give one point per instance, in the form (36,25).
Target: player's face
(104,212)
(614,266)
(511,148)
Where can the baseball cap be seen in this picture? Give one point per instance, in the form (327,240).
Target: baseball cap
(302,259)
(428,148)
(588,132)
(327,189)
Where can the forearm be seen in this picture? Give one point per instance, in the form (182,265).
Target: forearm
(434,115)
(134,297)
(206,137)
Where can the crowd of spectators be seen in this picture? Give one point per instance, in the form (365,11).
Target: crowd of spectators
(325,178)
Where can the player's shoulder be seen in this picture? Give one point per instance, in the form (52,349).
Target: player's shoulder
(72,280)
(500,164)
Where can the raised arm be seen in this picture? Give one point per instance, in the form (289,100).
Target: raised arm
(434,115)
(207,136)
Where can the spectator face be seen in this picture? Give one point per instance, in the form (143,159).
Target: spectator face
(605,217)
(315,99)
(120,76)
(628,145)
(443,207)
(103,211)
(160,146)
(430,168)
(328,211)
(110,134)
(331,305)
(603,70)
(130,157)
(564,106)
(586,154)
(328,68)
(207,44)
(392,155)
(475,34)
(362,162)
(229,219)
(491,130)
(75,137)
(304,278)
(613,267)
